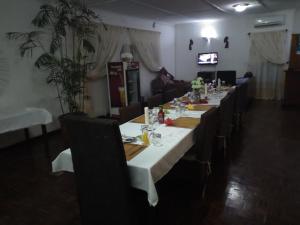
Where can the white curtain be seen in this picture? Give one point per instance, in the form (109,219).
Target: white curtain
(267,60)
(147,45)
(107,45)
(96,86)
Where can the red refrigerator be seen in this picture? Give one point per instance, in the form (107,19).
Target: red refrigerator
(123,85)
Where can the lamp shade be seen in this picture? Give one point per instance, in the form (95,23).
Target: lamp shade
(126,54)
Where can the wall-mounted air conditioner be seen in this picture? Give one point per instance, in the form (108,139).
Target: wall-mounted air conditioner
(269,21)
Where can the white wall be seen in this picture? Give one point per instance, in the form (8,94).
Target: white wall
(233,58)
(99,89)
(26,86)
(296,28)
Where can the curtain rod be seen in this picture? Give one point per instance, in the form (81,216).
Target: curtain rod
(286,30)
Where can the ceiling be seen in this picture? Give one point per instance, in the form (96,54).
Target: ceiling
(179,11)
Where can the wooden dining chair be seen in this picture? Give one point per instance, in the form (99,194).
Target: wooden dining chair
(241,102)
(229,76)
(227,108)
(192,171)
(101,172)
(155,100)
(198,158)
(205,136)
(169,95)
(130,112)
(64,132)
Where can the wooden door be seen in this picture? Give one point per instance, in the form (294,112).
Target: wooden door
(295,53)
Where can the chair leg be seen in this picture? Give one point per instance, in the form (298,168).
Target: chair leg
(203,192)
(152,215)
(209,170)
(207,173)
(46,147)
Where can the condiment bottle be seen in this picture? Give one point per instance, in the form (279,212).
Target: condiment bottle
(161,116)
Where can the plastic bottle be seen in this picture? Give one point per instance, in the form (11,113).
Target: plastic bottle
(146,112)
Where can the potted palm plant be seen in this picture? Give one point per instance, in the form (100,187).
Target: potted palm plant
(63,39)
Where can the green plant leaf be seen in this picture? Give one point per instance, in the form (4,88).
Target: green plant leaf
(56,43)
(45,16)
(27,46)
(65,4)
(16,35)
(60,27)
(47,61)
(88,46)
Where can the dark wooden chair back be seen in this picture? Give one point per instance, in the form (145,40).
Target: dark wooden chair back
(205,135)
(227,109)
(229,76)
(155,100)
(64,132)
(207,76)
(100,170)
(130,112)
(242,97)
(169,95)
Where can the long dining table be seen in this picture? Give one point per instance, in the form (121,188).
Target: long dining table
(154,162)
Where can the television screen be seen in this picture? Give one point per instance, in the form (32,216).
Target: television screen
(210,58)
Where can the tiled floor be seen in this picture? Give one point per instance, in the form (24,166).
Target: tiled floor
(259,183)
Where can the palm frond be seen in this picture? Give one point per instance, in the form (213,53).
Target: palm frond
(27,46)
(65,4)
(84,30)
(17,35)
(89,14)
(88,46)
(60,28)
(35,34)
(45,16)
(47,62)
(56,43)
(54,77)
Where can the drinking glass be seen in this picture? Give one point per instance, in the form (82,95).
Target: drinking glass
(145,134)
(177,111)
(182,109)
(153,119)
(156,139)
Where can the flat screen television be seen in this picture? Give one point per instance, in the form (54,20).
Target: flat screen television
(209,58)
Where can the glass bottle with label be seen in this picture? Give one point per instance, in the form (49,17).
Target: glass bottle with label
(161,116)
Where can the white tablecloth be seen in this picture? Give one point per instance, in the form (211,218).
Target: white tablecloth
(15,120)
(153,163)
(215,99)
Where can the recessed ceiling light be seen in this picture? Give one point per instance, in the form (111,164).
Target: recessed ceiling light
(241,7)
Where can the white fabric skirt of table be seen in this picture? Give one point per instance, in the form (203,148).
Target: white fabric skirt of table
(153,163)
(15,120)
